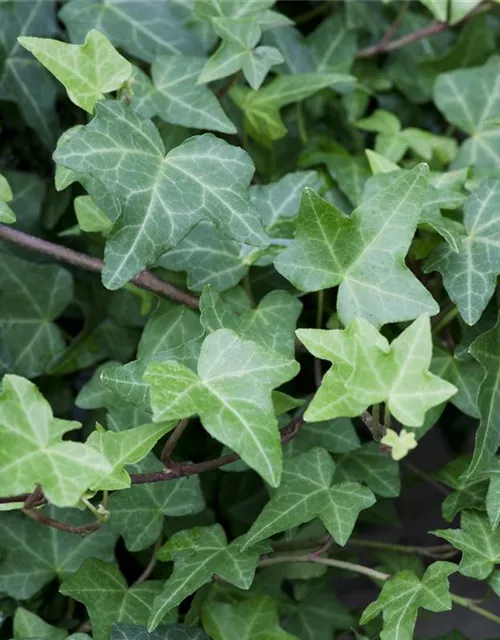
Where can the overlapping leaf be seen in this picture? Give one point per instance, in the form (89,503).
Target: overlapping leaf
(369,465)
(306,492)
(6,195)
(317,616)
(32,451)
(125,152)
(198,554)
(124,631)
(363,253)
(367,371)
(28,625)
(87,71)
(463,372)
(404,594)
(31,556)
(231,392)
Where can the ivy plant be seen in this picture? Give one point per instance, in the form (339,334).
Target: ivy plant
(249,254)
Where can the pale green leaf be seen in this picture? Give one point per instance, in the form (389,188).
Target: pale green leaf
(380,121)
(104,592)
(144,30)
(87,71)
(152,502)
(478,542)
(253,619)
(90,217)
(404,594)
(374,281)
(306,492)
(7,216)
(32,450)
(400,443)
(368,371)
(125,152)
(198,554)
(32,555)
(232,395)
(469,275)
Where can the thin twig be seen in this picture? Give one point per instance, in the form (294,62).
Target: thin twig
(39,516)
(396,24)
(150,567)
(430,30)
(33,498)
(144,280)
(173,440)
(425,476)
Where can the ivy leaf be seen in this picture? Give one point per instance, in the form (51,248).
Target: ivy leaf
(91,218)
(248,620)
(87,71)
(318,616)
(478,542)
(271,325)
(336,436)
(104,592)
(232,395)
(463,372)
(26,83)
(125,631)
(32,451)
(146,32)
(470,100)
(153,501)
(369,465)
(404,594)
(198,554)
(124,448)
(175,96)
(7,216)
(28,625)
(261,108)
(213,174)
(374,281)
(469,492)
(32,298)
(31,556)
(469,275)
(400,443)
(306,492)
(333,54)
(368,371)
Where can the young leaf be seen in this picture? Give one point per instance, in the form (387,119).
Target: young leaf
(91,218)
(367,371)
(204,177)
(248,620)
(306,492)
(32,451)
(104,592)
(400,443)
(469,275)
(87,71)
(404,594)
(7,216)
(31,556)
(374,281)
(124,631)
(153,501)
(232,395)
(478,542)
(198,554)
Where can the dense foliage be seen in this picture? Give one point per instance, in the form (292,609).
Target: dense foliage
(293,211)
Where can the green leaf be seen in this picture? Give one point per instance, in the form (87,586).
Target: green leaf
(198,554)
(232,395)
(368,371)
(104,592)
(152,501)
(336,436)
(28,625)
(248,620)
(33,296)
(271,325)
(155,215)
(261,108)
(32,451)
(318,616)
(145,31)
(373,467)
(469,492)
(22,81)
(404,594)
(7,216)
(400,443)
(306,492)
(478,542)
(125,631)
(91,218)
(374,281)
(464,373)
(470,100)
(87,71)
(469,275)
(31,556)
(333,53)
(485,349)
(176,97)
(126,447)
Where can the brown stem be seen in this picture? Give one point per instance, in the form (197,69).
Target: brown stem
(396,24)
(144,280)
(172,441)
(430,30)
(39,516)
(150,567)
